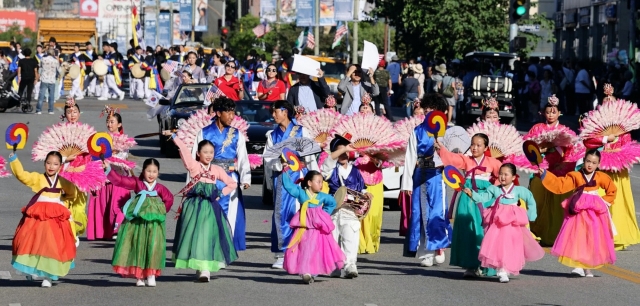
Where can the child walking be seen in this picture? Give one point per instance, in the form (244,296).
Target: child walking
(44,242)
(585,240)
(203,239)
(141,246)
(507,242)
(312,249)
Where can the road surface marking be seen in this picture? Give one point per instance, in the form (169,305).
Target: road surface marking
(15,304)
(5,275)
(120,106)
(614,271)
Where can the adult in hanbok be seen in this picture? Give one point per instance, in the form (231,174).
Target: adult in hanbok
(230,153)
(285,206)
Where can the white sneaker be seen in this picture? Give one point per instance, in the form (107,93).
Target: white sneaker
(504,277)
(51,113)
(427,261)
(307,279)
(204,276)
(38,113)
(151,281)
(351,271)
(46,283)
(79,98)
(77,241)
(578,271)
(588,273)
(103,98)
(469,273)
(278,264)
(121,97)
(440,258)
(140,283)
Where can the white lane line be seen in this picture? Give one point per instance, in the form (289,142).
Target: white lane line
(633,176)
(5,275)
(15,304)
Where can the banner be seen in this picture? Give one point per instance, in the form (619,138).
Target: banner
(150,26)
(22,19)
(305,13)
(268,10)
(201,16)
(288,10)
(186,15)
(164,29)
(89,8)
(343,9)
(177,33)
(327,13)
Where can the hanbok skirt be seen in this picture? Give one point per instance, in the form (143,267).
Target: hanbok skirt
(550,212)
(586,238)
(203,239)
(140,249)
(44,243)
(371,225)
(316,252)
(507,243)
(404,201)
(105,211)
(623,211)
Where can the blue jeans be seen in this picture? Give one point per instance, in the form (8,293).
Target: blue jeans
(408,103)
(46,88)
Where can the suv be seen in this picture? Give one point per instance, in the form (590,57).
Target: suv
(494,80)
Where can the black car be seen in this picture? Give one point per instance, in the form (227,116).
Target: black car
(190,98)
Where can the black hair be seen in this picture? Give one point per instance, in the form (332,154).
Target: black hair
(192,52)
(435,102)
(87,43)
(53,153)
(66,107)
(549,105)
(309,177)
(201,145)
(364,104)
(484,138)
(487,109)
(509,166)
(26,52)
(338,141)
(118,119)
(593,152)
(223,104)
(286,105)
(148,162)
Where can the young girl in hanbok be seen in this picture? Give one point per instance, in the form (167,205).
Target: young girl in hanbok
(203,239)
(507,243)
(140,249)
(468,231)
(312,250)
(585,240)
(105,205)
(44,242)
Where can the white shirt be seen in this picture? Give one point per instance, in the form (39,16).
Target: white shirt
(354,108)
(306,99)
(583,75)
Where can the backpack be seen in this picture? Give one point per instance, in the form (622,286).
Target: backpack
(446,89)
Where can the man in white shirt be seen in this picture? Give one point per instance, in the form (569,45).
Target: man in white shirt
(583,89)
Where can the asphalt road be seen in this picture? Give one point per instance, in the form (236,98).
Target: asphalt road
(386,278)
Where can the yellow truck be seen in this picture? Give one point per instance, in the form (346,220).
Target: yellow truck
(67,32)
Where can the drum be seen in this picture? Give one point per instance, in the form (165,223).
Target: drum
(353,200)
(165,75)
(137,72)
(74,72)
(99,67)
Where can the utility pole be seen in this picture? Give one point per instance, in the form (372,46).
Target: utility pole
(157,22)
(632,38)
(316,30)
(386,35)
(239,9)
(193,20)
(354,48)
(224,14)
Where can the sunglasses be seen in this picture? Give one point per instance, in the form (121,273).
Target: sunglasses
(271,70)
(229,66)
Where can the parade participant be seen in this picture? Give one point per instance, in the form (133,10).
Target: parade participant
(137,89)
(429,230)
(140,249)
(312,250)
(77,88)
(585,240)
(196,71)
(203,240)
(105,205)
(230,153)
(217,67)
(468,233)
(112,79)
(90,79)
(44,243)
(229,84)
(338,171)
(271,89)
(507,243)
(285,205)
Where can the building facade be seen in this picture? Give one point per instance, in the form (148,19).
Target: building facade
(590,29)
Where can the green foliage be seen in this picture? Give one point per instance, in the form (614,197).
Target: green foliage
(241,38)
(27,37)
(546,25)
(447,28)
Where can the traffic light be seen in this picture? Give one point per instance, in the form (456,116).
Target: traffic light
(223,33)
(518,9)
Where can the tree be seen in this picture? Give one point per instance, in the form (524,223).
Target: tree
(241,38)
(447,28)
(26,37)
(533,39)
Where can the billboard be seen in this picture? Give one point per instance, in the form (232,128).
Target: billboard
(89,8)
(22,19)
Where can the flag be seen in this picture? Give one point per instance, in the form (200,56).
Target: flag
(261,29)
(170,66)
(213,93)
(138,38)
(301,41)
(311,41)
(341,31)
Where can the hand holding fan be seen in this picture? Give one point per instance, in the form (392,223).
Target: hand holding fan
(291,157)
(436,123)
(453,178)
(532,152)
(16,136)
(100,146)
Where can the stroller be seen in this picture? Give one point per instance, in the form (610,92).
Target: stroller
(9,98)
